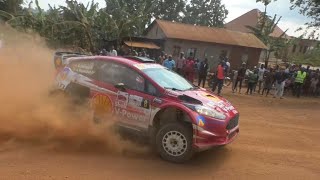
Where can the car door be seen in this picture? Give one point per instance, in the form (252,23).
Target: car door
(134,100)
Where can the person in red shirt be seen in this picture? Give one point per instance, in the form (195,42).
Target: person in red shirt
(189,69)
(219,79)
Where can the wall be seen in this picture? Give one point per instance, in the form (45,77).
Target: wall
(204,50)
(212,51)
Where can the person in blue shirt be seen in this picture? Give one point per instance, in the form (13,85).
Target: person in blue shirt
(169,63)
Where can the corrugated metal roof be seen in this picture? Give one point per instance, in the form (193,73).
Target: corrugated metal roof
(147,45)
(209,34)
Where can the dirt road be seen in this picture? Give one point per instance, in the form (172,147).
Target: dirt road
(279,139)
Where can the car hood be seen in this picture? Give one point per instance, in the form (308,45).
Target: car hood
(205,98)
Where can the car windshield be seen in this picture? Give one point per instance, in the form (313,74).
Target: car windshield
(168,79)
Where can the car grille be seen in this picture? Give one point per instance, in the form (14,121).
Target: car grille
(233,122)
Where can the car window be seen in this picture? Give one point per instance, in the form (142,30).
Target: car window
(114,73)
(150,89)
(168,79)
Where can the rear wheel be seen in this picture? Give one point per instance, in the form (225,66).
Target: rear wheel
(174,142)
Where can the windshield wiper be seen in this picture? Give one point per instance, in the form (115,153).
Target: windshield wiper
(173,89)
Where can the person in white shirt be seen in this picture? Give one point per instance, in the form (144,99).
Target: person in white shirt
(113,52)
(261,76)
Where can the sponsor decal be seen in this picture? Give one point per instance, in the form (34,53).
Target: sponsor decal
(225,107)
(201,121)
(157,100)
(135,101)
(210,97)
(102,104)
(234,111)
(147,66)
(122,99)
(64,74)
(138,101)
(84,67)
(130,115)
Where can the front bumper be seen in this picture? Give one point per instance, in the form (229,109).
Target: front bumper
(217,135)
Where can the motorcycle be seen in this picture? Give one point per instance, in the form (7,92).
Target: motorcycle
(211,80)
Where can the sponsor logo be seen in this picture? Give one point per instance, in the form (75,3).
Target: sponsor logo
(130,115)
(122,99)
(102,104)
(201,121)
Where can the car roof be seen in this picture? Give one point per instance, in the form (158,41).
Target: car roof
(129,60)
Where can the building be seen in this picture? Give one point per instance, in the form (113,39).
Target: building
(206,42)
(251,18)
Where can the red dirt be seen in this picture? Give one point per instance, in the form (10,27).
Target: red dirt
(41,139)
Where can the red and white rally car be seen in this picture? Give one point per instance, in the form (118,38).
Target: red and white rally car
(178,117)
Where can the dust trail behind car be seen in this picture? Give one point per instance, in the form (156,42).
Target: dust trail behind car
(29,115)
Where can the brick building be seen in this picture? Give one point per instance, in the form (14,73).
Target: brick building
(206,42)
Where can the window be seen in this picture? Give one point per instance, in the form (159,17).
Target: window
(176,51)
(168,79)
(113,73)
(301,48)
(192,52)
(305,49)
(294,48)
(150,89)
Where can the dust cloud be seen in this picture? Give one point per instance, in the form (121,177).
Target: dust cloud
(29,116)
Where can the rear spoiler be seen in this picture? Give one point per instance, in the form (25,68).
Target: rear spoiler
(59,58)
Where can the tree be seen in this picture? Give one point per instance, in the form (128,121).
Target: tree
(11,6)
(127,17)
(206,13)
(171,10)
(263,31)
(309,8)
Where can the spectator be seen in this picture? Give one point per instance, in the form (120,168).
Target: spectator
(219,79)
(314,83)
(252,80)
(189,69)
(241,75)
(234,79)
(279,78)
(228,66)
(300,78)
(261,71)
(104,52)
(268,82)
(181,63)
(113,52)
(170,63)
(203,72)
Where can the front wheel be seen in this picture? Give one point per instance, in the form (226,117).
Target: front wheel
(174,142)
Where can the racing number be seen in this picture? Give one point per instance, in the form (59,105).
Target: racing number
(146,104)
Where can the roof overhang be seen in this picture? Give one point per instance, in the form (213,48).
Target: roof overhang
(147,45)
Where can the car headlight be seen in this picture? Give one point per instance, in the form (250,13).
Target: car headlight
(209,112)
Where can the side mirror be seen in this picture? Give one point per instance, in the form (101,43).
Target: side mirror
(120,86)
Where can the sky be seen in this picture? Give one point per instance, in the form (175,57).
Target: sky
(291,19)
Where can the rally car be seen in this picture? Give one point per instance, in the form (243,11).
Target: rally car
(177,117)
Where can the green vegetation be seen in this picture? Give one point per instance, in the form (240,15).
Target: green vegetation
(88,26)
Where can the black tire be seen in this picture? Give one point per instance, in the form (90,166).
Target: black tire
(184,132)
